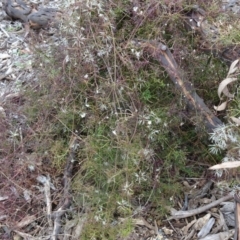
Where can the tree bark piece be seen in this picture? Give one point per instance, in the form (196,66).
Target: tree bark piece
(161,53)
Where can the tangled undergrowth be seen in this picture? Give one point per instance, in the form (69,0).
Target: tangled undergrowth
(135,139)
(124,112)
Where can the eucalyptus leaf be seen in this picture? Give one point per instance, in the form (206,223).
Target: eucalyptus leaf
(223,85)
(233,67)
(221,107)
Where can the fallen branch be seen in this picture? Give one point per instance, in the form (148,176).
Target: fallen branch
(193,212)
(66,199)
(161,53)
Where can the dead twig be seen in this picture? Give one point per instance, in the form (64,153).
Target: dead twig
(48,201)
(66,199)
(193,212)
(237,216)
(3,30)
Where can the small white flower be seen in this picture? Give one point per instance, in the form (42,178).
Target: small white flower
(153,134)
(140,177)
(219,173)
(138,54)
(135,9)
(158,120)
(31,167)
(86,103)
(214,149)
(103,107)
(14,134)
(127,188)
(123,205)
(63,110)
(82,114)
(102,52)
(147,152)
(99,215)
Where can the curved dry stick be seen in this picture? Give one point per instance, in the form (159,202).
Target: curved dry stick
(161,53)
(185,214)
